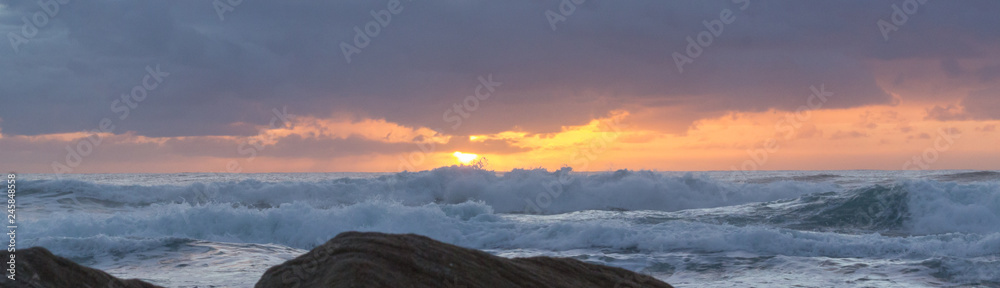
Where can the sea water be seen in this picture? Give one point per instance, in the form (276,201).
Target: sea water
(690,229)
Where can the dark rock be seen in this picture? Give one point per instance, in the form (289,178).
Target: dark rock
(36,267)
(355,259)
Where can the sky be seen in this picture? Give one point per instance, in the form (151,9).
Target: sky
(113,86)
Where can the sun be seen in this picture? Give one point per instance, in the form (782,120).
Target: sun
(465,158)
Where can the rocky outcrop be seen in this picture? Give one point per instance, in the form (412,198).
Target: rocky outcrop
(38,268)
(355,259)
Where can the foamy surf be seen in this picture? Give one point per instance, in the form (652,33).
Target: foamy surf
(857,228)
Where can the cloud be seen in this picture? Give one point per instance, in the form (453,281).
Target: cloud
(977,105)
(946,113)
(305,138)
(987,128)
(274,54)
(808,130)
(847,135)
(226,77)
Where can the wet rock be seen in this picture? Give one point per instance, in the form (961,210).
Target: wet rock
(356,259)
(36,267)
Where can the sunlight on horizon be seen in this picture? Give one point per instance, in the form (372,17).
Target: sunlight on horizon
(465,158)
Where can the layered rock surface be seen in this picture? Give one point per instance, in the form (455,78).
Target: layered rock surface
(36,267)
(356,259)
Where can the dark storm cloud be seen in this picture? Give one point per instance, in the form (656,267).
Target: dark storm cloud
(225,76)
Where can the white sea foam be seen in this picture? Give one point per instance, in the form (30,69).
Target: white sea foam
(510,193)
(950,231)
(937,207)
(475,225)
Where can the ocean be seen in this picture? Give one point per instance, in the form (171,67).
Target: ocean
(690,229)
